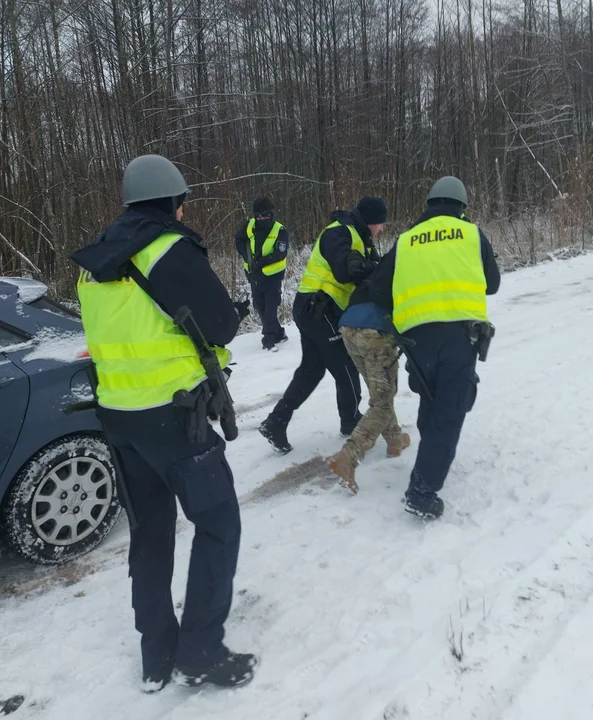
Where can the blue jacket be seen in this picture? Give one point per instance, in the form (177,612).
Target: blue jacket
(366,315)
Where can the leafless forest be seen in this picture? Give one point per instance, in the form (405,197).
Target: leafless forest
(314,102)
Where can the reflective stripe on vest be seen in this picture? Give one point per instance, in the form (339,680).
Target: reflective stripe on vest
(267,249)
(142,357)
(318,274)
(439,275)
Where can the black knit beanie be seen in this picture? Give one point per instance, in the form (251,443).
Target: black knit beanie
(262,206)
(372,209)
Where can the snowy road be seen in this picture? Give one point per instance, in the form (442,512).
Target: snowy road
(359,611)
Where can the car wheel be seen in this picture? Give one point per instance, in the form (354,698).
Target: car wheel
(63,502)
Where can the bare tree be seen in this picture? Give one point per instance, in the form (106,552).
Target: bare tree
(314,102)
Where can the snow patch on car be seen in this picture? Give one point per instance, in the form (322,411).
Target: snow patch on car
(18,346)
(29,290)
(57,345)
(80,393)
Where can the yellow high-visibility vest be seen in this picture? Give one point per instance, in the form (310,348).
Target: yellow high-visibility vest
(142,357)
(268,247)
(318,274)
(439,275)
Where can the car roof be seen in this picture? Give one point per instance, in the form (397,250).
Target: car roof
(17,308)
(29,290)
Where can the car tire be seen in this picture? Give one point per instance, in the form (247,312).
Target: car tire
(63,502)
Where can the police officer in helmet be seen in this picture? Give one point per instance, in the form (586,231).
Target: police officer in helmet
(142,359)
(433,284)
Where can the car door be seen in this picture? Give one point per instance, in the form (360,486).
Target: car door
(14,394)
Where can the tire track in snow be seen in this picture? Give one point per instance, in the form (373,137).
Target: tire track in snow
(20,578)
(505,640)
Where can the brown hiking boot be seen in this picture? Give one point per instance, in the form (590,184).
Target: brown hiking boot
(343,466)
(396,445)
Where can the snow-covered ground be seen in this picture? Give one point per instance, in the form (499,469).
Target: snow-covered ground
(358,610)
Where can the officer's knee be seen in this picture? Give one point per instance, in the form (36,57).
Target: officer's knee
(313,375)
(221,523)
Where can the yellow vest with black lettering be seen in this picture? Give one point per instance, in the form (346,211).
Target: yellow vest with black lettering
(318,274)
(142,357)
(439,275)
(268,247)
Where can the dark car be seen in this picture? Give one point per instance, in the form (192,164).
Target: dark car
(57,482)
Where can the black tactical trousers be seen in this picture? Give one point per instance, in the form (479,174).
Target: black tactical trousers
(323,349)
(448,362)
(161,466)
(267,295)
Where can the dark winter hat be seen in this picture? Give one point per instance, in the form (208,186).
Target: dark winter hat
(262,206)
(372,209)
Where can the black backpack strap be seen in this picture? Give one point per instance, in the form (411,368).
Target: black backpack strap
(144,283)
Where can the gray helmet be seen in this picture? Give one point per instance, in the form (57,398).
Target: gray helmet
(150,177)
(448,188)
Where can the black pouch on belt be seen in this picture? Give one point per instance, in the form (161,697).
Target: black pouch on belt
(195,404)
(319,303)
(480,334)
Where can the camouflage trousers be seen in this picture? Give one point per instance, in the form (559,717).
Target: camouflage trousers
(374,353)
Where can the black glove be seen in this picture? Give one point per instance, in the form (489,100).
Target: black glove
(242,308)
(373,254)
(358,267)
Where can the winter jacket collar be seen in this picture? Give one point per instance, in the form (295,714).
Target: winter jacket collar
(436,211)
(354,218)
(108,256)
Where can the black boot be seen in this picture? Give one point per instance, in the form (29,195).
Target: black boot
(427,506)
(11,704)
(282,336)
(233,671)
(153,682)
(347,428)
(274,431)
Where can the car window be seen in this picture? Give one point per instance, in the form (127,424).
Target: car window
(9,337)
(45,303)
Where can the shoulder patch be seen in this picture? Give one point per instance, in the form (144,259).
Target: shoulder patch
(282,246)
